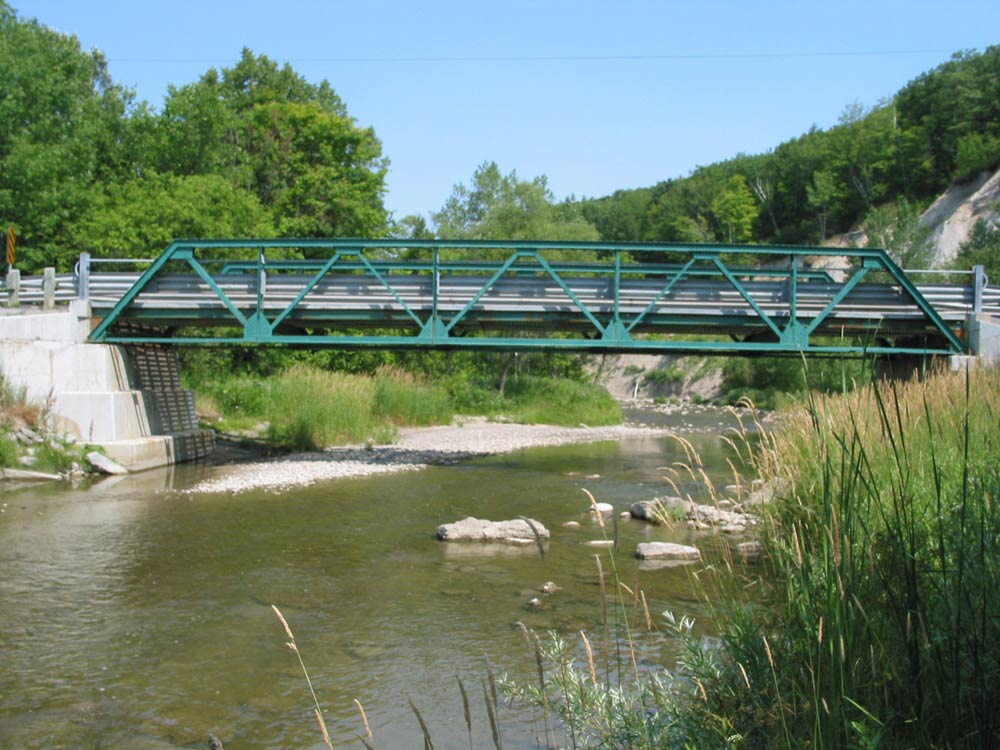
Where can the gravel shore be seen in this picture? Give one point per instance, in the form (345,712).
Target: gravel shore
(416,448)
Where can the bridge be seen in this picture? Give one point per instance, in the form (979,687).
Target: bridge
(513,295)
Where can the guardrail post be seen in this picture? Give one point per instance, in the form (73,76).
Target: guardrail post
(13,287)
(83,277)
(48,288)
(978,285)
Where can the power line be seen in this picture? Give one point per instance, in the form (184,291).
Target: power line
(561,58)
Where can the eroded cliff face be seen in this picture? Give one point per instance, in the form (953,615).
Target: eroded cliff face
(950,218)
(953,215)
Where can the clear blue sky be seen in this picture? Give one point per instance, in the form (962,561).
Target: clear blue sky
(595,95)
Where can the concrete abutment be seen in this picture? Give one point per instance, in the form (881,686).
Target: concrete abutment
(127,400)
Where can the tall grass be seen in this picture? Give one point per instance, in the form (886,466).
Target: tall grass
(406,400)
(885,621)
(558,401)
(309,409)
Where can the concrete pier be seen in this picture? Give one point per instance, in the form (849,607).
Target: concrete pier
(127,400)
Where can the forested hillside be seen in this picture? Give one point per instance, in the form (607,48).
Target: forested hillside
(896,157)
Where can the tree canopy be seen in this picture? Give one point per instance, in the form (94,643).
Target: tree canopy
(247,150)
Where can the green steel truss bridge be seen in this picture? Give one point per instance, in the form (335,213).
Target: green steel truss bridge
(592,297)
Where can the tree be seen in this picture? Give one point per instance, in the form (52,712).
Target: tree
(821,194)
(896,229)
(735,210)
(141,217)
(504,207)
(290,142)
(982,248)
(60,131)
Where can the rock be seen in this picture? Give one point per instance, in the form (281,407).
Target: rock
(659,509)
(571,525)
(666,551)
(750,551)
(549,587)
(602,508)
(535,603)
(733,528)
(697,516)
(104,464)
(38,476)
(27,436)
(471,529)
(601,543)
(27,460)
(625,514)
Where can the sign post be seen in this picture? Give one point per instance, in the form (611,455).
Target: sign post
(11,248)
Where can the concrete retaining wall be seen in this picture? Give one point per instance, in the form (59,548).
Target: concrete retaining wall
(128,400)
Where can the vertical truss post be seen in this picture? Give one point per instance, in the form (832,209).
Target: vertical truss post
(978,285)
(257,327)
(794,296)
(616,332)
(83,277)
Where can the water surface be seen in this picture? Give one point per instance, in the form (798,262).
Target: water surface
(137,615)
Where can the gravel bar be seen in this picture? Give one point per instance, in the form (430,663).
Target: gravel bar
(416,448)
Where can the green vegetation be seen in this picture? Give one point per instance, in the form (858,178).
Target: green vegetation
(560,402)
(47,451)
(771,382)
(305,408)
(249,150)
(881,627)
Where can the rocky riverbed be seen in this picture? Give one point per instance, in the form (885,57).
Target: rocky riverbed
(415,449)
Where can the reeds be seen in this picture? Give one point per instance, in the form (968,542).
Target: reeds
(886,565)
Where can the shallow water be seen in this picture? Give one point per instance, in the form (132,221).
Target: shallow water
(137,616)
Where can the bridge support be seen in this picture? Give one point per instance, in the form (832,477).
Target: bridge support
(984,337)
(127,400)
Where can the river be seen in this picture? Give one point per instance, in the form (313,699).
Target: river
(136,615)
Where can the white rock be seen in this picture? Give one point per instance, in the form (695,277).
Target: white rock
(104,464)
(750,551)
(39,476)
(601,543)
(479,530)
(666,551)
(602,508)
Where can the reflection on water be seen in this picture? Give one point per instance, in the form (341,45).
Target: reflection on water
(137,615)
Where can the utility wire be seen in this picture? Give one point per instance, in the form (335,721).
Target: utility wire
(562,58)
